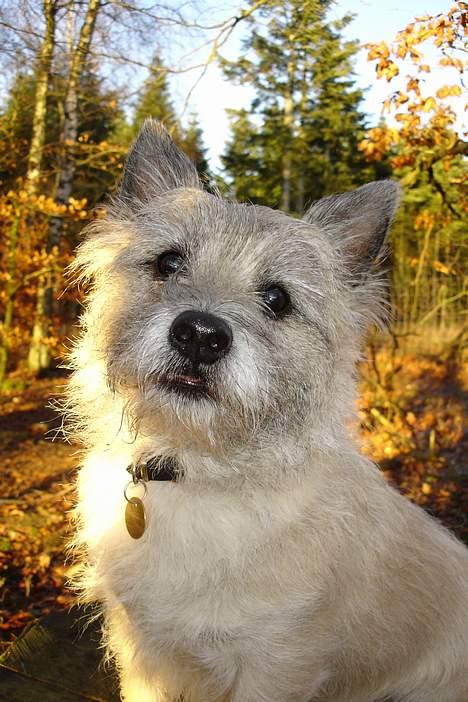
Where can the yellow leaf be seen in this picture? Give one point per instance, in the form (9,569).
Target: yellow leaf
(429,104)
(44,560)
(441,267)
(388,70)
(402,98)
(413,86)
(377,51)
(450,61)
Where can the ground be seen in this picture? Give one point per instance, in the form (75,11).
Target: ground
(411,412)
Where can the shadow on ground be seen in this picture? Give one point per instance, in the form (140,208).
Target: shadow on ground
(57,660)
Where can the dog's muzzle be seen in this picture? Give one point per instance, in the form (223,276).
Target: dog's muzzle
(200,337)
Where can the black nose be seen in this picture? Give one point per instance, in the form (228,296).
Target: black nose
(201,337)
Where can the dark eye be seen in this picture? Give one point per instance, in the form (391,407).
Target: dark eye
(277,300)
(169,263)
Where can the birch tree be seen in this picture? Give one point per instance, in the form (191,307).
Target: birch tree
(39,355)
(33,172)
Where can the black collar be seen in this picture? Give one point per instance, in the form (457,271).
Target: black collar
(157,468)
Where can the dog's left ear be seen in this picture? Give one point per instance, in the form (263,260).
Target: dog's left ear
(358,222)
(155,165)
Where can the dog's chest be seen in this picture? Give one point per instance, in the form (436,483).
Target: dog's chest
(187,575)
(200,579)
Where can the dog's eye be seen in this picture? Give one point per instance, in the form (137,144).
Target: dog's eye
(169,263)
(277,300)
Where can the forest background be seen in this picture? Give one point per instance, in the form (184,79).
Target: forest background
(65,128)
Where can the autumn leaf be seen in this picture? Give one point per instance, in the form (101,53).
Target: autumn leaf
(448,91)
(429,104)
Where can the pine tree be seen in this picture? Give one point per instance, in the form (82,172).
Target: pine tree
(100,120)
(300,142)
(155,100)
(253,158)
(15,130)
(192,143)
(99,154)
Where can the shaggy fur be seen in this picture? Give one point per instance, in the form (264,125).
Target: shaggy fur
(280,567)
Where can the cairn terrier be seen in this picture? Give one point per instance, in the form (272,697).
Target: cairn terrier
(240,546)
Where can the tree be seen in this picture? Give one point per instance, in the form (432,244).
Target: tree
(43,73)
(16,121)
(306,121)
(98,160)
(100,148)
(61,146)
(253,158)
(426,152)
(192,143)
(33,170)
(39,356)
(155,100)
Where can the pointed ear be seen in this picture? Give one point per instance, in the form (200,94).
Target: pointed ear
(155,165)
(358,221)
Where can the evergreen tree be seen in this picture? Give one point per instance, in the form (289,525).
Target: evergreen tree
(253,158)
(155,101)
(15,130)
(100,121)
(99,155)
(300,142)
(192,144)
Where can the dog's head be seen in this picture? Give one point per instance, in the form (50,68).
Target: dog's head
(228,320)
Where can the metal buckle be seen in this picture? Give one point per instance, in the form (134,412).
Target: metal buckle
(138,471)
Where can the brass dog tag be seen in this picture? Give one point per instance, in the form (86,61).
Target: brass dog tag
(135,517)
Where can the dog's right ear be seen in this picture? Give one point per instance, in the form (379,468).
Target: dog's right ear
(154,166)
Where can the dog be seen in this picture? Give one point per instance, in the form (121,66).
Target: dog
(241,548)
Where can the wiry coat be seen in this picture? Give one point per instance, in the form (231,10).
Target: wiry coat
(280,567)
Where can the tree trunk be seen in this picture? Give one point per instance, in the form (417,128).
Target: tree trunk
(302,144)
(33,172)
(287,157)
(34,167)
(39,355)
(288,123)
(417,283)
(66,165)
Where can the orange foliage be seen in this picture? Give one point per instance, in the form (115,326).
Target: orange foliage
(24,224)
(424,120)
(412,418)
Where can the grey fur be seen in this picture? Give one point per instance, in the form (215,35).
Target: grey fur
(281,567)
(360,220)
(141,180)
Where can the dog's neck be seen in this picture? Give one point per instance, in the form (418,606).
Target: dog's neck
(254,464)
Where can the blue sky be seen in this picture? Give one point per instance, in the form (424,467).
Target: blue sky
(375,20)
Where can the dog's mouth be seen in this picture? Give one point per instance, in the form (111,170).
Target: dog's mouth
(191,384)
